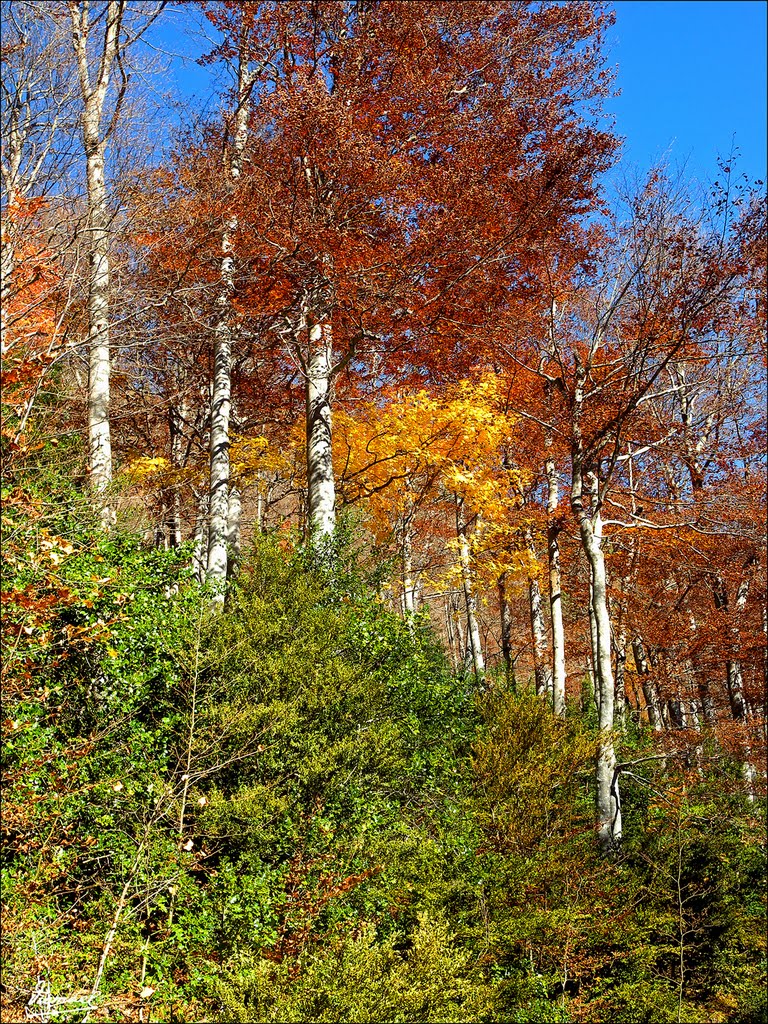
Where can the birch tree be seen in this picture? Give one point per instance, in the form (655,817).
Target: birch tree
(224,503)
(102,36)
(555,589)
(475,644)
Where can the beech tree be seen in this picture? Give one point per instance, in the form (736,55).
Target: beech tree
(668,282)
(375,140)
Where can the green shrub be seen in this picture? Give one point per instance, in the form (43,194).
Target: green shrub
(359,979)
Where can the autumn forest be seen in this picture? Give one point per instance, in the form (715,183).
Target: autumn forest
(383,526)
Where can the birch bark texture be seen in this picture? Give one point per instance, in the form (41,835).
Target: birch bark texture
(101,45)
(555,590)
(473,627)
(321,486)
(94,83)
(220,513)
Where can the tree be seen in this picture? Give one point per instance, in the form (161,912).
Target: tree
(664,280)
(223,500)
(101,39)
(357,261)
(35,103)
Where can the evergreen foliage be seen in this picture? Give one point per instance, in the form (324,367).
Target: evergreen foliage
(293,811)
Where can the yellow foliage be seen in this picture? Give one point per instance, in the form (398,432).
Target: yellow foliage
(394,453)
(251,459)
(418,448)
(144,468)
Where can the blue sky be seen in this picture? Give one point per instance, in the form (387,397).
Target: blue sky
(692,75)
(693,79)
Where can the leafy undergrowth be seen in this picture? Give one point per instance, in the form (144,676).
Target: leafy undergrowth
(292,811)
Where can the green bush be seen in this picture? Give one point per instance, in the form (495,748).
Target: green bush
(291,810)
(359,979)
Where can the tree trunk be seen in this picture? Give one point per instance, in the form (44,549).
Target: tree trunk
(409,590)
(94,86)
(219,440)
(321,488)
(260,501)
(620,650)
(646,683)
(474,643)
(461,634)
(701,681)
(451,632)
(234,510)
(200,538)
(99,440)
(541,668)
(506,631)
(734,675)
(539,639)
(606,777)
(94,71)
(621,666)
(555,596)
(221,398)
(7,256)
(608,801)
(594,656)
(176,419)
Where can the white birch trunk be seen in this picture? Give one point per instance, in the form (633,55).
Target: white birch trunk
(321,488)
(555,594)
(539,639)
(221,399)
(409,589)
(590,529)
(474,642)
(94,91)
